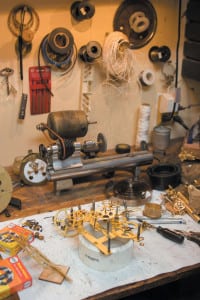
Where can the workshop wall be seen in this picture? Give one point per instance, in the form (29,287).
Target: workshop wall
(114,108)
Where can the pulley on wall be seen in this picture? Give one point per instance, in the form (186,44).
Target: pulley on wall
(59,50)
(159,54)
(90,52)
(82,10)
(23,22)
(138,20)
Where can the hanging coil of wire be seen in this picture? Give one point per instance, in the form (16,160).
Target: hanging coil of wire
(118,59)
(59,50)
(30,20)
(23,21)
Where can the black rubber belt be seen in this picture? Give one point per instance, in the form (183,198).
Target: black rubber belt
(164,175)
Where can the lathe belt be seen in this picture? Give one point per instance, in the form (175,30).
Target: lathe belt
(164,175)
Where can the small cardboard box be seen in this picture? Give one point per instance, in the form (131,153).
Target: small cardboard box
(13,276)
(7,234)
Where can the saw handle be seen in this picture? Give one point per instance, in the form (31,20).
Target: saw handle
(170,234)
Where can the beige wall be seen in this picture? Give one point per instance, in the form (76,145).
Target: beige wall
(115,110)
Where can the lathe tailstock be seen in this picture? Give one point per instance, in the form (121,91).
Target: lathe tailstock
(67,158)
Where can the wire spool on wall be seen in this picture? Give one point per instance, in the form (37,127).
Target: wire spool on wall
(147,77)
(82,10)
(90,52)
(118,59)
(143,125)
(58,49)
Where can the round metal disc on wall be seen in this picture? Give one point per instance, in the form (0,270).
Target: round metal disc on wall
(138,20)
(5,189)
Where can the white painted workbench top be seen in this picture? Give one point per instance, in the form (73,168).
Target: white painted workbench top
(158,255)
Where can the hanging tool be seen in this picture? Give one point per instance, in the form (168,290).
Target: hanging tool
(190,235)
(40,89)
(22,109)
(165,232)
(23,22)
(6,72)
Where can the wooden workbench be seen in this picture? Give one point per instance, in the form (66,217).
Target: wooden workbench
(40,199)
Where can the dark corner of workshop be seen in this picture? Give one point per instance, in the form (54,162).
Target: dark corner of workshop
(100,149)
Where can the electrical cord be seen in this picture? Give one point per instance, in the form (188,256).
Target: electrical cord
(170,117)
(186,107)
(39,66)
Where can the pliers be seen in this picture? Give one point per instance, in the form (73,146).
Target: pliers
(190,235)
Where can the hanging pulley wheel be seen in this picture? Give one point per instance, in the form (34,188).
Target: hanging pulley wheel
(5,189)
(90,52)
(61,41)
(33,169)
(138,20)
(82,10)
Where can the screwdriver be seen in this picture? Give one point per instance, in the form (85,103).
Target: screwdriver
(165,232)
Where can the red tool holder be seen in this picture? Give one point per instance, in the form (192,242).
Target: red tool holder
(40,89)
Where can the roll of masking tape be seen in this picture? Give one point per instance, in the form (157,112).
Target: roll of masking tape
(147,77)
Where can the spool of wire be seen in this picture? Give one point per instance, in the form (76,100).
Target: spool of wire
(90,52)
(60,41)
(143,125)
(82,10)
(117,57)
(58,49)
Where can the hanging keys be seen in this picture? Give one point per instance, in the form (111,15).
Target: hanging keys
(6,72)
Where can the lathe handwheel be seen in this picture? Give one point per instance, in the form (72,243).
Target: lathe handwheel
(101,140)
(33,169)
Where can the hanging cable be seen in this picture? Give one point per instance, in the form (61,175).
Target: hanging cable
(59,50)
(178,45)
(170,117)
(40,70)
(118,59)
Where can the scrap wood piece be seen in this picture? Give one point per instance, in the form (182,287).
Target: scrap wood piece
(48,274)
(40,258)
